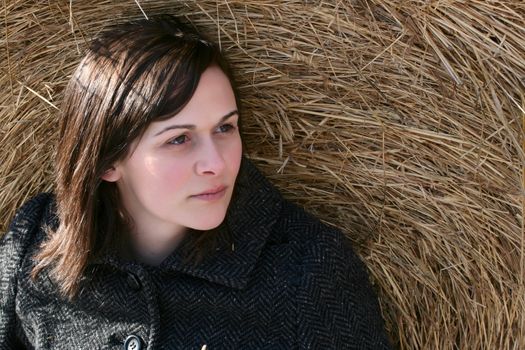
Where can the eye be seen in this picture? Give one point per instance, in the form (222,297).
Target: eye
(175,142)
(229,127)
(179,140)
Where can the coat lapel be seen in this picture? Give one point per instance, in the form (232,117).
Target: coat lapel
(250,218)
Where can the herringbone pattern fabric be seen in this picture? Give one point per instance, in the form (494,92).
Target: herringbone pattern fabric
(290,282)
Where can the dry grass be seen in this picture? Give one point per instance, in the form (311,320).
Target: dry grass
(402,122)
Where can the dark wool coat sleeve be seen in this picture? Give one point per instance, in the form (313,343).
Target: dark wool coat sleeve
(13,245)
(337,308)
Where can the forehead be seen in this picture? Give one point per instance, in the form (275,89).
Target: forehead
(212,99)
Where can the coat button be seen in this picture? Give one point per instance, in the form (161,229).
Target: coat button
(132,342)
(133,282)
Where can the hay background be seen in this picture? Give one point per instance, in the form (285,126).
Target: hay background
(401,122)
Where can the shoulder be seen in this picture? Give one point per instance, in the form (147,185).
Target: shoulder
(26,223)
(319,241)
(323,252)
(22,233)
(338,308)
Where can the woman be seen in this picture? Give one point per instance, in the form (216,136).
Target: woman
(160,233)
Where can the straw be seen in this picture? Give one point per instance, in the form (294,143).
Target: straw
(400,122)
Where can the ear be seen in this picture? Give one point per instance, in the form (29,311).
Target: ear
(111,175)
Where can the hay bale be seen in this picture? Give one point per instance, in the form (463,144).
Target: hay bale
(401,122)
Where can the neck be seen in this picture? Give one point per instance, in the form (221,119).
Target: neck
(153,250)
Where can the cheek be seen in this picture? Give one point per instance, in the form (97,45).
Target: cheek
(163,176)
(234,156)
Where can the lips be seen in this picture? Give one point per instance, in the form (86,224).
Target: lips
(212,190)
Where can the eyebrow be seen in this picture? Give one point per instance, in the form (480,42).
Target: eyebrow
(191,126)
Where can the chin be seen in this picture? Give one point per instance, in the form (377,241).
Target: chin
(208,225)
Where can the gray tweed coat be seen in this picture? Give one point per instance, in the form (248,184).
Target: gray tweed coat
(290,282)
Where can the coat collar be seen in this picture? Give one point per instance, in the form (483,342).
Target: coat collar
(252,213)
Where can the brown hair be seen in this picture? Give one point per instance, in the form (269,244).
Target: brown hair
(134,73)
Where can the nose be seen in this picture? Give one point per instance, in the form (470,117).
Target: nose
(210,159)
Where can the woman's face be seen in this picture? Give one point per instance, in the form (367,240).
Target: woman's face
(197,150)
